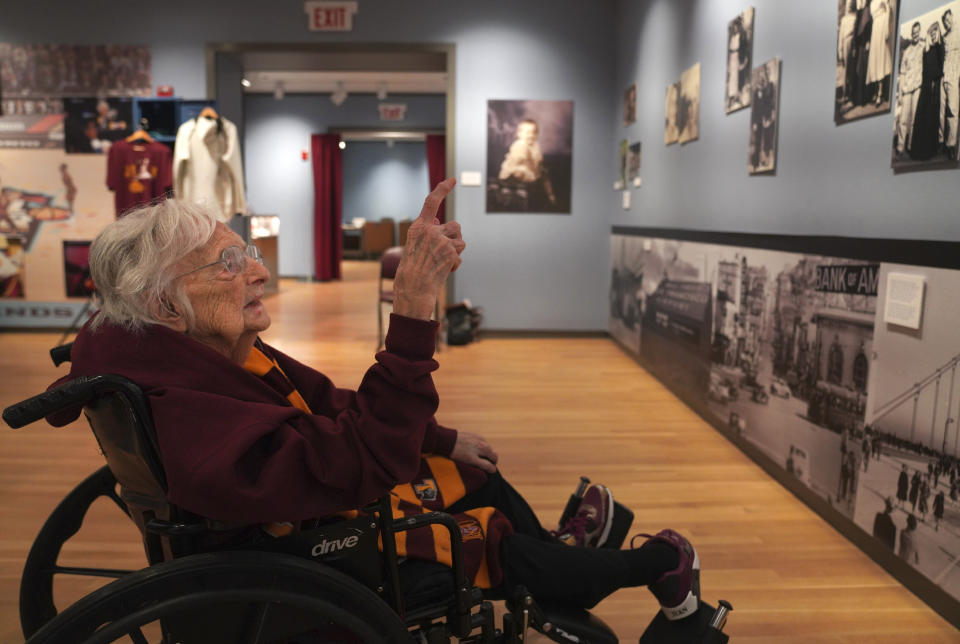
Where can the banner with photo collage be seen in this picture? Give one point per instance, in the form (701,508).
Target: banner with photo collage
(792,353)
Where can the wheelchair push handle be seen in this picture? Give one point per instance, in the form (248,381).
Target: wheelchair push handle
(61,354)
(71,394)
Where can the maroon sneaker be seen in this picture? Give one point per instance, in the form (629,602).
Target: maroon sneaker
(678,590)
(590,526)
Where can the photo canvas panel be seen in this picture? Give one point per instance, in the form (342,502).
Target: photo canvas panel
(92,125)
(739,61)
(688,105)
(866,37)
(630,105)
(764,117)
(927,101)
(670,131)
(529,156)
(633,163)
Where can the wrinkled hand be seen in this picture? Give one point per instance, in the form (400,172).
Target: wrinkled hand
(432,251)
(473,449)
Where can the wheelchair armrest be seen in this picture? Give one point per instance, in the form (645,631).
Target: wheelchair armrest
(70,394)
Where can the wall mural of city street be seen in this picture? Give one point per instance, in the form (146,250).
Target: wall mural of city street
(790,352)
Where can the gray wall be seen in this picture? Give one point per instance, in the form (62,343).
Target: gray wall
(830,180)
(279,182)
(554,265)
(381,181)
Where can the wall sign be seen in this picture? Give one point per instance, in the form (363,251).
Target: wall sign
(330,16)
(393,111)
(852,279)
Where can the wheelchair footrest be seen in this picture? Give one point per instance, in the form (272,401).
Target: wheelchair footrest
(695,629)
(574,625)
(622,520)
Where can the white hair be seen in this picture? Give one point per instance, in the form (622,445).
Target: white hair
(132,262)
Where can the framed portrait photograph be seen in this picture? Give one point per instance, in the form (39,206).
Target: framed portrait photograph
(688,105)
(633,165)
(529,156)
(93,124)
(670,131)
(925,118)
(739,61)
(630,105)
(866,34)
(764,117)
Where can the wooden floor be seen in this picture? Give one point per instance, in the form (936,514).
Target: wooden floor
(554,409)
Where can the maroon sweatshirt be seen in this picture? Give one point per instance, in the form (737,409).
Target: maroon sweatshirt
(235,450)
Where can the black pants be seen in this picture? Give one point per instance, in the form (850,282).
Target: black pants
(556,573)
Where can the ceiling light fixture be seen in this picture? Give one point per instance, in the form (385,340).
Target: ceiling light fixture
(279,91)
(339,94)
(342,145)
(245,82)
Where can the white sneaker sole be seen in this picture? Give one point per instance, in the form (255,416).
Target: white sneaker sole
(689,605)
(605,534)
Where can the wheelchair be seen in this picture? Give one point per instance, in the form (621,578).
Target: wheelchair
(209,582)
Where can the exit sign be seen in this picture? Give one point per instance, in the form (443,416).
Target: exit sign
(330,16)
(392,111)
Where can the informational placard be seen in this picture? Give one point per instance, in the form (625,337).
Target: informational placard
(904,305)
(330,16)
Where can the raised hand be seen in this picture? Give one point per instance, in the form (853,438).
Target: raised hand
(432,251)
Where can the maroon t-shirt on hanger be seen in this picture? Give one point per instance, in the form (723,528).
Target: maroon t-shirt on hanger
(138,173)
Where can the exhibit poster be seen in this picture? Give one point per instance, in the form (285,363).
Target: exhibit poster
(926,115)
(670,131)
(37,77)
(529,156)
(630,105)
(910,453)
(688,105)
(791,353)
(93,124)
(739,61)
(47,198)
(764,117)
(866,36)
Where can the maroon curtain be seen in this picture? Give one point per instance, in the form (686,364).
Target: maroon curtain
(327,205)
(437,166)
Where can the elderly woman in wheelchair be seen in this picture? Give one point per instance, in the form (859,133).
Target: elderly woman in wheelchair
(230,453)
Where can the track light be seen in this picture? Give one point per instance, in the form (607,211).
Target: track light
(279,91)
(342,145)
(245,82)
(339,94)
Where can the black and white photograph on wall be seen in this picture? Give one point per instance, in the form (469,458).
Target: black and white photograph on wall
(660,285)
(529,156)
(909,491)
(623,150)
(630,105)
(92,125)
(739,61)
(790,361)
(633,165)
(928,97)
(626,290)
(688,105)
(764,114)
(37,77)
(670,131)
(866,36)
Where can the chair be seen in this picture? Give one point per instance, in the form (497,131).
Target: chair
(378,236)
(389,262)
(403,227)
(215,583)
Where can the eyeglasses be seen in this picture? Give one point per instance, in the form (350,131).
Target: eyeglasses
(234,259)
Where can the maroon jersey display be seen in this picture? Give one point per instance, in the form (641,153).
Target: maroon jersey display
(138,173)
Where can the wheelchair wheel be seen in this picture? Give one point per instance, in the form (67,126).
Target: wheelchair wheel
(228,597)
(42,566)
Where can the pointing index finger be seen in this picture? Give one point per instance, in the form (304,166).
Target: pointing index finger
(435,198)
